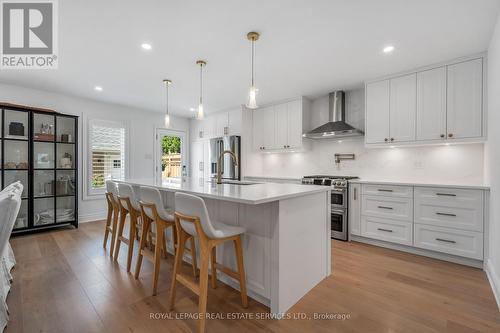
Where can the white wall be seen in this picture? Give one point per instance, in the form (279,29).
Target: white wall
(492,163)
(444,163)
(141,136)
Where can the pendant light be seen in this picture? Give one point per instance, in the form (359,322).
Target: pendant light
(252,92)
(167,113)
(201,113)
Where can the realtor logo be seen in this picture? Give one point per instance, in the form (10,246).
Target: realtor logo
(29,34)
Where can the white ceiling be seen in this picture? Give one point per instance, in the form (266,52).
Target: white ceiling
(307,47)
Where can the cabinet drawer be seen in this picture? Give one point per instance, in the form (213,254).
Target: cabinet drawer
(388,230)
(452,208)
(387,207)
(388,190)
(452,241)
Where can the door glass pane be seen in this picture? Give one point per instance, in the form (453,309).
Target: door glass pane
(65,155)
(43,157)
(16,155)
(65,182)
(65,129)
(16,124)
(43,211)
(43,183)
(22,216)
(11,176)
(337,222)
(43,127)
(65,209)
(171,157)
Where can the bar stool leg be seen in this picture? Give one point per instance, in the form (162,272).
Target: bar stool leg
(181,241)
(142,244)
(108,224)
(241,271)
(193,256)
(116,212)
(213,260)
(202,305)
(131,237)
(160,240)
(123,216)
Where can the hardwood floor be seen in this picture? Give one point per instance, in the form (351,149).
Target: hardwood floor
(65,281)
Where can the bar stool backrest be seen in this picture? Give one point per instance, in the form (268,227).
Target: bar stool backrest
(191,205)
(127,191)
(151,195)
(112,188)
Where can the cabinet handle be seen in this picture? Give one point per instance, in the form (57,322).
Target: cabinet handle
(446,240)
(392,139)
(225,130)
(355,193)
(386,139)
(446,214)
(450,135)
(386,230)
(384,190)
(201,134)
(284,146)
(446,194)
(442,136)
(385,207)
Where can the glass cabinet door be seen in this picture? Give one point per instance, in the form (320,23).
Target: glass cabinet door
(22,216)
(65,156)
(65,129)
(12,176)
(43,211)
(43,183)
(15,155)
(16,125)
(43,127)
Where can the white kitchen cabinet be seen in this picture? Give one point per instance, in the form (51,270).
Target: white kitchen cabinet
(234,120)
(431,104)
(281,124)
(377,112)
(354,217)
(436,104)
(264,128)
(464,98)
(197,159)
(221,124)
(402,108)
(279,127)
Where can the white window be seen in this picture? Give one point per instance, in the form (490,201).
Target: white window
(106,153)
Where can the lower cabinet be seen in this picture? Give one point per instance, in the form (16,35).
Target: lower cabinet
(446,220)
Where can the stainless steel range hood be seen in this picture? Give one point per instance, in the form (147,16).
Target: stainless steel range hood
(336,127)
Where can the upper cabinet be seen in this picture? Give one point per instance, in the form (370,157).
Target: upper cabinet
(216,125)
(280,126)
(441,104)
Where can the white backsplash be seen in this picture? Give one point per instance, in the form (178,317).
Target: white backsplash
(428,163)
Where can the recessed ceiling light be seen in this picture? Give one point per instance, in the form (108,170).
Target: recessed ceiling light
(146,46)
(388,49)
(98,88)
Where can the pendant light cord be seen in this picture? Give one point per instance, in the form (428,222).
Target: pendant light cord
(201,83)
(253,41)
(167,98)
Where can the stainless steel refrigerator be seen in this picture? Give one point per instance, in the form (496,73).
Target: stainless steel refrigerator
(229,169)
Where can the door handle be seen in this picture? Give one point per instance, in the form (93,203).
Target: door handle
(446,240)
(446,194)
(446,214)
(384,190)
(385,207)
(386,230)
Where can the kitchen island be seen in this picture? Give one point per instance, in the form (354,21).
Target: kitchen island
(287,240)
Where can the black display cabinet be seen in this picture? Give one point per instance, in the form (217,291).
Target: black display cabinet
(40,149)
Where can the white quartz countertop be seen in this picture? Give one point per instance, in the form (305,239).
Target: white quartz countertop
(249,194)
(466,184)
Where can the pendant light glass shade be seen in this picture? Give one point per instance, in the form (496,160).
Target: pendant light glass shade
(201,114)
(167,113)
(252,92)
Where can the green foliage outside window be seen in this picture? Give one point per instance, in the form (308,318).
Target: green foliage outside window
(171,145)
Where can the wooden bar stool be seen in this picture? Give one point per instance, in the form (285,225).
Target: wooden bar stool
(192,219)
(129,205)
(157,218)
(113,212)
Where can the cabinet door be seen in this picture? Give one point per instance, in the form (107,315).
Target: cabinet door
(234,122)
(403,105)
(294,124)
(431,104)
(221,124)
(377,112)
(281,125)
(355,209)
(209,127)
(465,98)
(197,160)
(259,127)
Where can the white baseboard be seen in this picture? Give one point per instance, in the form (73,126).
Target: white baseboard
(494,280)
(95,216)
(422,252)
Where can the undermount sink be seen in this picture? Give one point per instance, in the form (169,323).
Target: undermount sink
(234,182)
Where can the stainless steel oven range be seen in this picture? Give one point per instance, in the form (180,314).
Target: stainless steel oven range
(339,205)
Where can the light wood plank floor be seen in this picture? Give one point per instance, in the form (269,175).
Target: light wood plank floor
(65,282)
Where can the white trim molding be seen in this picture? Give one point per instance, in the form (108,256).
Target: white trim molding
(494,280)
